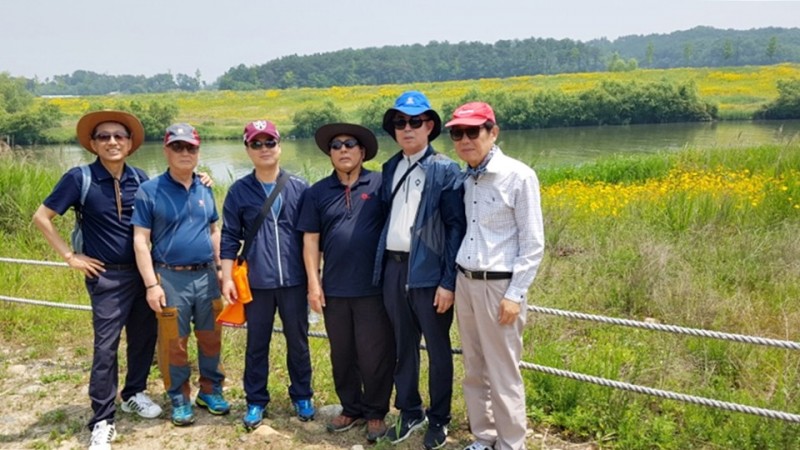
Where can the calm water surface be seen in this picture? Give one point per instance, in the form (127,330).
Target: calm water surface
(228,160)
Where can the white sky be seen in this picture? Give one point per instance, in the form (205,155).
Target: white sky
(56,37)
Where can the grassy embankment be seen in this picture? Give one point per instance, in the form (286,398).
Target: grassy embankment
(739,92)
(697,239)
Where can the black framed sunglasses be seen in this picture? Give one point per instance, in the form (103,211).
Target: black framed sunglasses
(457,134)
(258,145)
(337,144)
(179,147)
(106,137)
(415,122)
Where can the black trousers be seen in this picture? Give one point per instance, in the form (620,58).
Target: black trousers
(362,354)
(413,315)
(118,300)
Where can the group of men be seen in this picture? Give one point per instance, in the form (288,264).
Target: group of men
(383,256)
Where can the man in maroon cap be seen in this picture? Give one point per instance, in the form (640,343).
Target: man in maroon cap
(497,262)
(277,274)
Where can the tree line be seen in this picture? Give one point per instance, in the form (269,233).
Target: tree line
(444,61)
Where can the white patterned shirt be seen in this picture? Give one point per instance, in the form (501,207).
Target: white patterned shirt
(405,203)
(505,232)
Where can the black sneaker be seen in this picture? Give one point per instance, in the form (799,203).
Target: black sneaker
(435,437)
(403,428)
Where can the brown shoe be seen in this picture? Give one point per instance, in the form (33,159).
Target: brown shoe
(376,429)
(343,423)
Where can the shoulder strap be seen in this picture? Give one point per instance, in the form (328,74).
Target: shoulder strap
(248,240)
(135,175)
(86,182)
(405,175)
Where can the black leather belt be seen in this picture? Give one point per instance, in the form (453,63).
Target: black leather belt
(397,256)
(473,275)
(119,266)
(191,267)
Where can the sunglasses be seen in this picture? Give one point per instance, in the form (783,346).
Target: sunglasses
(457,134)
(106,137)
(337,144)
(415,122)
(258,145)
(179,147)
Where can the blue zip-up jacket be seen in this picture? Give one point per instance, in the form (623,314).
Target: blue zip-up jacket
(438,228)
(275,258)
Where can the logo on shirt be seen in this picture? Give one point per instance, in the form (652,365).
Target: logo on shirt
(201,203)
(364,196)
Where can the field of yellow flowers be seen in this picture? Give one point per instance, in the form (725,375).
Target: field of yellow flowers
(738,91)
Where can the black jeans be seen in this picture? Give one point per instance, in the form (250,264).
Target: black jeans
(292,306)
(362,354)
(118,300)
(413,315)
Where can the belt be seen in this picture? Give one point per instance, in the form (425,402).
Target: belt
(191,267)
(119,266)
(474,275)
(397,256)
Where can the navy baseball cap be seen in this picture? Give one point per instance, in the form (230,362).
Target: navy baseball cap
(412,103)
(181,132)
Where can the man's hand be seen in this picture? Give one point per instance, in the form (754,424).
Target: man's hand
(316,300)
(229,292)
(509,311)
(156,298)
(89,266)
(443,300)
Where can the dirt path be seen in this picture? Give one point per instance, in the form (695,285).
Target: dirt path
(46,406)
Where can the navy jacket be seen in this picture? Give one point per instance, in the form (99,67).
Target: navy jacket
(275,258)
(438,228)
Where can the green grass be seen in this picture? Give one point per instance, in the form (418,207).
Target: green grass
(693,261)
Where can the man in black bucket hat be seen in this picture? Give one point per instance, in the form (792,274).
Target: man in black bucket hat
(342,218)
(416,263)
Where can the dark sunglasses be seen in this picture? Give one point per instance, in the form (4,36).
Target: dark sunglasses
(179,147)
(106,137)
(415,122)
(457,134)
(337,144)
(258,145)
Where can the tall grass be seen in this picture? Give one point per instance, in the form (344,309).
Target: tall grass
(703,239)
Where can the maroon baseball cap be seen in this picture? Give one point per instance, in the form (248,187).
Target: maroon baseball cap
(472,114)
(257,127)
(181,132)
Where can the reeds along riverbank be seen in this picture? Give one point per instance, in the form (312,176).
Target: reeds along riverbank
(703,239)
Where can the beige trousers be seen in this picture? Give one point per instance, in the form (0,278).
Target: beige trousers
(493,388)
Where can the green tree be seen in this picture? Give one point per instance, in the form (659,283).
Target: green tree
(30,126)
(13,95)
(787,105)
(772,47)
(307,121)
(649,53)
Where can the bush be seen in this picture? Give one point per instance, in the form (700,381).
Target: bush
(786,106)
(307,121)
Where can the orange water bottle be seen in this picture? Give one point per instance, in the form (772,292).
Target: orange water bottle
(241,282)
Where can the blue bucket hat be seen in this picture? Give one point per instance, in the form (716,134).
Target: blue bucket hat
(412,103)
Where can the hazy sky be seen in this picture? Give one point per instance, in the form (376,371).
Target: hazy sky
(55,37)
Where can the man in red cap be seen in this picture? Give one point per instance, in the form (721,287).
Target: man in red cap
(277,275)
(497,262)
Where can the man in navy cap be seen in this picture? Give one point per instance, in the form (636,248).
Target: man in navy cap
(176,213)
(416,262)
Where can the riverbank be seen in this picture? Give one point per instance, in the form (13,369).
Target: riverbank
(703,239)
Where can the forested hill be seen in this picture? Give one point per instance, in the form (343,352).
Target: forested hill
(442,61)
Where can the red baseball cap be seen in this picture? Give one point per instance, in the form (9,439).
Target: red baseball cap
(257,127)
(472,114)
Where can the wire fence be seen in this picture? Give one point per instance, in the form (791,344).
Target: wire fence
(709,402)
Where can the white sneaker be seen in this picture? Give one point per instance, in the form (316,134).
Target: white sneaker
(102,435)
(477,446)
(142,405)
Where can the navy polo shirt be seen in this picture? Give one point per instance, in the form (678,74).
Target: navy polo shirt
(106,236)
(179,220)
(349,232)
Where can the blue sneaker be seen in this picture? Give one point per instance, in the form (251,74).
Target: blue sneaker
(252,419)
(214,402)
(182,414)
(305,410)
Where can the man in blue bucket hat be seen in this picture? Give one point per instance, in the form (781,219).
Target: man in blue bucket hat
(416,263)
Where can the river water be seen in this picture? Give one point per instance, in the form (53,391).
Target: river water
(227,160)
